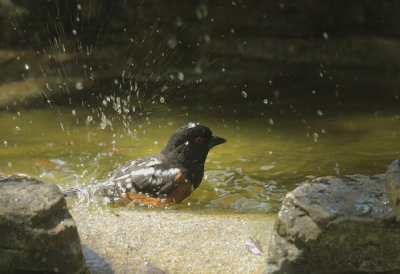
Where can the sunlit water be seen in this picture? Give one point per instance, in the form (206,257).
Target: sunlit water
(265,156)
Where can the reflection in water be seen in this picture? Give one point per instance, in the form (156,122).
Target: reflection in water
(250,174)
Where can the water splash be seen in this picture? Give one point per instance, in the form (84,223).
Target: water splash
(78,85)
(181,76)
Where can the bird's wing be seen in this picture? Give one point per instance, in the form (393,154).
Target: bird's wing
(147,175)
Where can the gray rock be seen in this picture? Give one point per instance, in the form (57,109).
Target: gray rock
(336,224)
(393,186)
(37,233)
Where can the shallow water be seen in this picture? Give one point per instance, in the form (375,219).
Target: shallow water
(266,154)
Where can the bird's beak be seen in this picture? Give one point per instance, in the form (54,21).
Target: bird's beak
(215,140)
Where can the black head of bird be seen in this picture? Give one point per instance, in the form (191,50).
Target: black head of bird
(190,145)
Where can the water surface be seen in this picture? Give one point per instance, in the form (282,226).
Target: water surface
(267,154)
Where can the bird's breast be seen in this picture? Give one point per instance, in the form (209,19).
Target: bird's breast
(183,188)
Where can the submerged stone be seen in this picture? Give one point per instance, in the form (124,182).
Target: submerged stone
(393,186)
(37,233)
(336,224)
(172,241)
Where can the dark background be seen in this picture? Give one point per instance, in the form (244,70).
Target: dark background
(339,54)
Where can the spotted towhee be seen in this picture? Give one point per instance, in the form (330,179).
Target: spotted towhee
(166,177)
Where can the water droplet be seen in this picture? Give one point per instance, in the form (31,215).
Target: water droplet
(181,77)
(316,136)
(319,112)
(155,142)
(48,87)
(79,6)
(17,128)
(5,143)
(74,112)
(107,200)
(162,100)
(265,101)
(89,118)
(187,143)
(179,22)
(74,32)
(26,66)
(202,11)
(164,88)
(271,121)
(244,94)
(9,164)
(223,69)
(172,42)
(325,35)
(191,125)
(79,85)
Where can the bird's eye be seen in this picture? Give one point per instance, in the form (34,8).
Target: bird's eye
(199,140)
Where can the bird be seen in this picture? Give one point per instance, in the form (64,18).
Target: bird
(167,177)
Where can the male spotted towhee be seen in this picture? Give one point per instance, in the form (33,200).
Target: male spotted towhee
(166,177)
